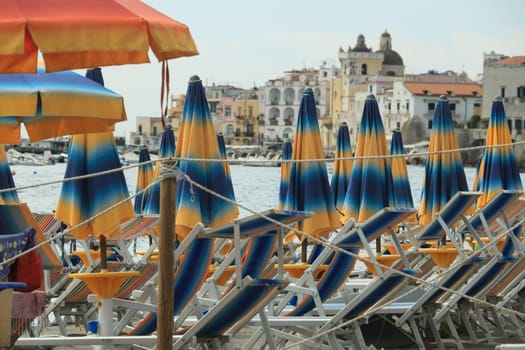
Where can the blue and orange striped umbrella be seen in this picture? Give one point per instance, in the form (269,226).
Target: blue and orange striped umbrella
(224,156)
(6,180)
(166,150)
(197,142)
(402,192)
(144,178)
(498,169)
(444,172)
(309,187)
(86,198)
(55,104)
(371,184)
(286,155)
(342,166)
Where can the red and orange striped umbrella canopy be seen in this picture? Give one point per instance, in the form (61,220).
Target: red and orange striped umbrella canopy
(72,34)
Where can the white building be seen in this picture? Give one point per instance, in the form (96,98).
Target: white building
(411,100)
(279,100)
(505,77)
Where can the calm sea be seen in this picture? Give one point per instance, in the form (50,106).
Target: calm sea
(255,187)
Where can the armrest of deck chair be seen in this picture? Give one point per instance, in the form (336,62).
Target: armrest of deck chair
(258,224)
(448,216)
(235,309)
(375,226)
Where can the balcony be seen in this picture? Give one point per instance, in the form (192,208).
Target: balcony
(288,122)
(274,122)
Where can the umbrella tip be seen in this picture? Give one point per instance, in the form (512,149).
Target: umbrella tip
(371,97)
(168,126)
(219,133)
(498,99)
(443,98)
(308,91)
(194,78)
(343,124)
(396,130)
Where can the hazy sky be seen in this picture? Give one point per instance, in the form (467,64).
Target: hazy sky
(246,43)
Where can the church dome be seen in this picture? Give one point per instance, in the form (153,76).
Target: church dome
(392,58)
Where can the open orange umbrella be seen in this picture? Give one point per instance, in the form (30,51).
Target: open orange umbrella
(73,34)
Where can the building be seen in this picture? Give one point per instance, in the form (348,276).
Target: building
(416,102)
(364,71)
(505,77)
(279,101)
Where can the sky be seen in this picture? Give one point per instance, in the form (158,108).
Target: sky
(245,43)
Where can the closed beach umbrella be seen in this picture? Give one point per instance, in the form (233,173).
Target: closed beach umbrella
(196,141)
(166,150)
(86,198)
(309,187)
(144,178)
(498,169)
(402,192)
(224,156)
(55,104)
(342,166)
(6,180)
(286,155)
(444,172)
(85,34)
(371,185)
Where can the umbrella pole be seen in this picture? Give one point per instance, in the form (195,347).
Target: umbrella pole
(103,253)
(378,245)
(304,248)
(166,260)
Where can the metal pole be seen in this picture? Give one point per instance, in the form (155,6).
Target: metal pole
(166,260)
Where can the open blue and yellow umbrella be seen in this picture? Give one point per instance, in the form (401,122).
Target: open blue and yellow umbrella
(166,150)
(197,143)
(342,166)
(444,172)
(286,156)
(6,180)
(498,169)
(87,198)
(371,185)
(55,104)
(144,178)
(402,192)
(309,187)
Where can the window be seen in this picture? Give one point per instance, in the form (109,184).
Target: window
(431,106)
(398,106)
(502,91)
(227,111)
(430,124)
(521,91)
(477,104)
(250,111)
(452,107)
(407,106)
(398,124)
(364,69)
(154,131)
(140,129)
(229,130)
(389,106)
(517,124)
(370,88)
(509,122)
(239,111)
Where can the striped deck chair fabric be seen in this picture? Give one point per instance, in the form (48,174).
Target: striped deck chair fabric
(234,310)
(342,264)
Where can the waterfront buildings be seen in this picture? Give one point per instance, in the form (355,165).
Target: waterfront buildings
(267,113)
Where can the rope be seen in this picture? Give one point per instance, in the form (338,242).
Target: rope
(170,170)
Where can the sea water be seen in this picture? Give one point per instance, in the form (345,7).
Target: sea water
(256,188)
